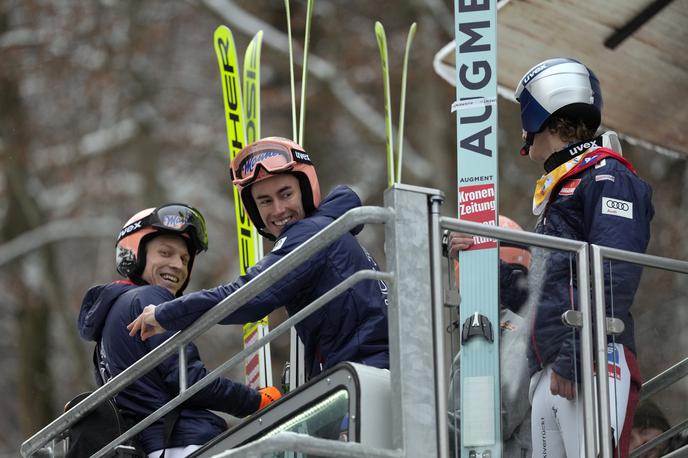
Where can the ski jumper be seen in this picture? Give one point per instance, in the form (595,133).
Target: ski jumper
(595,197)
(351,327)
(104,315)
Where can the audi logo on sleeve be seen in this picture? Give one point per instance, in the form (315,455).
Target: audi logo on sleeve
(617,207)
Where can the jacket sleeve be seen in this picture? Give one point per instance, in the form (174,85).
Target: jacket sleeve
(180,313)
(617,211)
(222,394)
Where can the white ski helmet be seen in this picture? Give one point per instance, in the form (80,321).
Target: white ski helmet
(176,219)
(271,156)
(562,86)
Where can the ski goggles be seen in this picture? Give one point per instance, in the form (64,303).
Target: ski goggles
(273,158)
(176,218)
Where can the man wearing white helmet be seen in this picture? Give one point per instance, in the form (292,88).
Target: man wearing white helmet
(589,192)
(279,188)
(155,252)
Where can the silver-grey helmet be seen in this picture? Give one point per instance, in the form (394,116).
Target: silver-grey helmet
(562,86)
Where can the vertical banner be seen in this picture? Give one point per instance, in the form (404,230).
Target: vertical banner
(476,141)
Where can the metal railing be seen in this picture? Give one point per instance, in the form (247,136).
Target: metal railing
(418,408)
(271,275)
(599,254)
(580,250)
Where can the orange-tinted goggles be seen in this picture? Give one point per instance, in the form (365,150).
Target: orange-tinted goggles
(273,159)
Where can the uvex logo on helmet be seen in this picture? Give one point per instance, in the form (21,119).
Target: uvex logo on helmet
(533,73)
(130,228)
(302,156)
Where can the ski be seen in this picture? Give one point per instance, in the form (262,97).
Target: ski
(295,135)
(258,367)
(392,175)
(476,125)
(225,50)
(304,74)
(384,60)
(297,367)
(402,101)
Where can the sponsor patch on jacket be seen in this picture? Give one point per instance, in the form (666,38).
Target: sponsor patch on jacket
(613,365)
(279,243)
(601,164)
(569,187)
(617,207)
(604,176)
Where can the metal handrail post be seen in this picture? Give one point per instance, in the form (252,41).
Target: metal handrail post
(182,369)
(414,410)
(601,351)
(438,320)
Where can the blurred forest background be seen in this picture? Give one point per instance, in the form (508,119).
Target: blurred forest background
(108,107)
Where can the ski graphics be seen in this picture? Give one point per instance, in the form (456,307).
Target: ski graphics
(225,50)
(258,367)
(393,176)
(476,126)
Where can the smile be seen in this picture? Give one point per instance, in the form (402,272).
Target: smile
(169,277)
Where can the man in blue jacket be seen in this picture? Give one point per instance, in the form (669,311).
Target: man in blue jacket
(279,189)
(591,193)
(155,252)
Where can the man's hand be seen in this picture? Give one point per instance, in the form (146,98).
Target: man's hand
(457,241)
(145,324)
(560,386)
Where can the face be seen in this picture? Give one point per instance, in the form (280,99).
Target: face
(167,262)
(279,203)
(544,144)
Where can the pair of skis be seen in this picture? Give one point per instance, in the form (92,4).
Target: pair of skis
(393,176)
(243,127)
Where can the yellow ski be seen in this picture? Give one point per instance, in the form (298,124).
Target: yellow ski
(257,367)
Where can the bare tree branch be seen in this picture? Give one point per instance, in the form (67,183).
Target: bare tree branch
(54,231)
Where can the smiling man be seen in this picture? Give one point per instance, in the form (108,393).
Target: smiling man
(279,189)
(155,251)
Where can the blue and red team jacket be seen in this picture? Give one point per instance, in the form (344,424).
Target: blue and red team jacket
(603,202)
(351,327)
(105,313)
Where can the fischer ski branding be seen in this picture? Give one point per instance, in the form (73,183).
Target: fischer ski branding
(476,121)
(234,113)
(257,367)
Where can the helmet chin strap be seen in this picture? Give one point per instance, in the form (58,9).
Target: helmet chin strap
(525,149)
